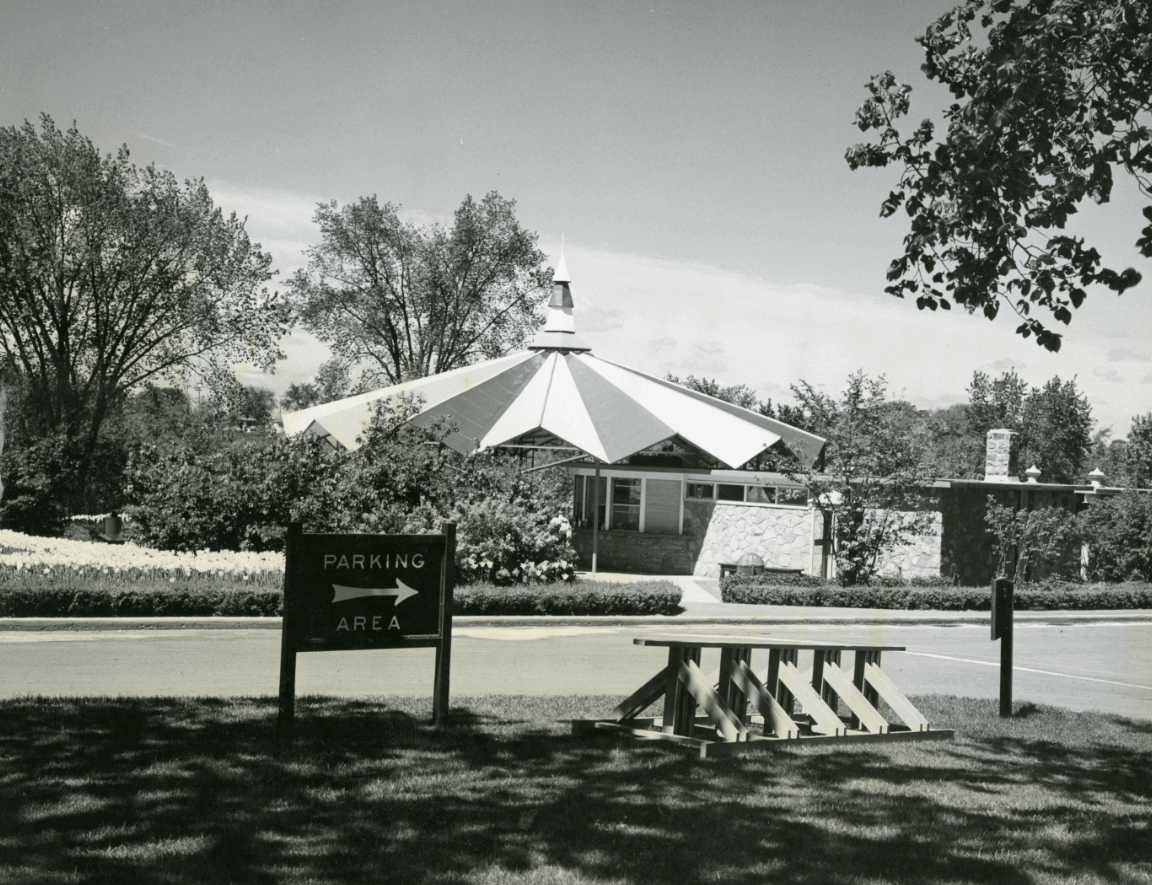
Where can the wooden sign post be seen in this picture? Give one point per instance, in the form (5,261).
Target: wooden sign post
(1002,604)
(345,592)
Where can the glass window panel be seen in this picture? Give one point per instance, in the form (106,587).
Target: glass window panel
(729,493)
(699,490)
(761,495)
(795,497)
(626,505)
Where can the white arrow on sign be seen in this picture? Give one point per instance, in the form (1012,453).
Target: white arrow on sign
(401,591)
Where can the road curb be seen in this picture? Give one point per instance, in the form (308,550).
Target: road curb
(840,617)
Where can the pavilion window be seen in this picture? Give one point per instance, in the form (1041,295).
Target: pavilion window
(729,492)
(792,497)
(700,490)
(761,495)
(583,498)
(626,505)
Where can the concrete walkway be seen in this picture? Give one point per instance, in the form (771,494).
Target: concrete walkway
(700,600)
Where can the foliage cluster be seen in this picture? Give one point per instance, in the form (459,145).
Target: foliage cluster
(588,597)
(112,276)
(33,595)
(1050,100)
(1049,597)
(400,480)
(505,542)
(25,596)
(1046,543)
(406,301)
(873,479)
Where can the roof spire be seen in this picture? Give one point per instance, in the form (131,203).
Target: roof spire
(559,332)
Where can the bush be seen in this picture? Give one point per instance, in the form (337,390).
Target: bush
(1048,596)
(1118,532)
(27,597)
(35,479)
(505,543)
(32,596)
(584,598)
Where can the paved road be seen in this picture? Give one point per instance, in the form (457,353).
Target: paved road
(1101,667)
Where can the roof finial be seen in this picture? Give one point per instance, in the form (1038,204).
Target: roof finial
(560,275)
(559,332)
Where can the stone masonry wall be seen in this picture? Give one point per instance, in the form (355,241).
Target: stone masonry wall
(919,558)
(781,536)
(636,552)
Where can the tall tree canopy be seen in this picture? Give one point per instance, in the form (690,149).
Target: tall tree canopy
(408,301)
(1057,96)
(112,276)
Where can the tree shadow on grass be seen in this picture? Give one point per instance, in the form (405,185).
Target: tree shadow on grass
(176,790)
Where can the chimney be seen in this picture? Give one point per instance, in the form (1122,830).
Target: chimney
(998,454)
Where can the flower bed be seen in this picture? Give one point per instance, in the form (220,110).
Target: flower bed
(54,577)
(79,563)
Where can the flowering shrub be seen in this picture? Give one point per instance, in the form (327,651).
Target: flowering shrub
(506,543)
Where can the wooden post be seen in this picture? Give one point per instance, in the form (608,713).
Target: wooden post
(440,686)
(1002,604)
(596,516)
(288,629)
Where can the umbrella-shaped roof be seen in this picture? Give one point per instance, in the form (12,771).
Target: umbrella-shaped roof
(558,394)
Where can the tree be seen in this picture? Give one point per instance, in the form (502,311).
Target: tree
(1056,100)
(1052,424)
(300,396)
(1056,431)
(112,276)
(408,301)
(1139,452)
(738,394)
(873,482)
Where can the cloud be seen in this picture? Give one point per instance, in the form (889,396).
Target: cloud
(1117,356)
(590,318)
(1107,374)
(666,341)
(706,358)
(156,140)
(1003,365)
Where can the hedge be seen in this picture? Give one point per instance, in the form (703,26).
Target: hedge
(161,600)
(1049,597)
(582,598)
(36,599)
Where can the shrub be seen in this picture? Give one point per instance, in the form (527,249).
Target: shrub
(502,543)
(1118,532)
(1051,595)
(583,598)
(26,597)
(1044,542)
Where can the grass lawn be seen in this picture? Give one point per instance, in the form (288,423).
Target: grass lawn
(203,790)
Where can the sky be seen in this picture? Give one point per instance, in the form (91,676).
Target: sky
(690,155)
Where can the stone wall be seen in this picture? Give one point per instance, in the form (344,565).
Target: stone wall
(636,552)
(919,558)
(781,536)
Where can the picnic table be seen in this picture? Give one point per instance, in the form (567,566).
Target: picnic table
(745,711)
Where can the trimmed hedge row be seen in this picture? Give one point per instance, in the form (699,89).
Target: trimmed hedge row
(161,600)
(1064,597)
(34,600)
(582,598)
